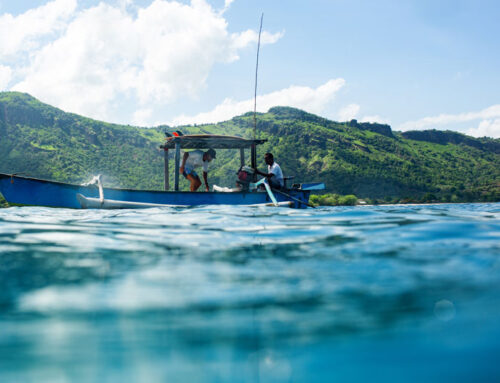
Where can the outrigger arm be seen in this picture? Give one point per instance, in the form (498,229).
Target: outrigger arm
(102,203)
(268,189)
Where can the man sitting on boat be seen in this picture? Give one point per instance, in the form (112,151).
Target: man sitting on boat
(195,159)
(274,175)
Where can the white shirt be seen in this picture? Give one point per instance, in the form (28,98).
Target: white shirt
(195,160)
(277,173)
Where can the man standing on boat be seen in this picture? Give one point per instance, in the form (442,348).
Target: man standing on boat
(274,175)
(195,159)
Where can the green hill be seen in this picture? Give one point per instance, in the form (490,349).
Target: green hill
(368,160)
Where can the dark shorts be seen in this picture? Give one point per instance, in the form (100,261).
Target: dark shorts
(274,184)
(188,171)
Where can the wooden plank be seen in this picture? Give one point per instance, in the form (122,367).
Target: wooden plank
(210,141)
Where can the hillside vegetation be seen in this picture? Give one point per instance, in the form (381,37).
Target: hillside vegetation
(367,160)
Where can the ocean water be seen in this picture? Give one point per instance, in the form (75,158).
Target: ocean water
(251,294)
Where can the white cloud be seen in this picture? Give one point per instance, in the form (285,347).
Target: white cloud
(376,118)
(227,4)
(245,38)
(142,117)
(105,57)
(5,76)
(488,116)
(488,128)
(24,32)
(349,112)
(312,100)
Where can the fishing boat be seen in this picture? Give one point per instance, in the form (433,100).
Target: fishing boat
(22,190)
(28,191)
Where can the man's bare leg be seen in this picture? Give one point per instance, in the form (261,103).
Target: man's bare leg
(195,182)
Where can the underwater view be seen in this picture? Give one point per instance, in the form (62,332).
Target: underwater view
(395,293)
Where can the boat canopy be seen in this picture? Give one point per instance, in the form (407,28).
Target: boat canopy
(207,141)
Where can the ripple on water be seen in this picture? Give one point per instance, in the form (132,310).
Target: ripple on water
(304,272)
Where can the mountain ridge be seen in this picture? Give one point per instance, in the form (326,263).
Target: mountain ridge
(369,160)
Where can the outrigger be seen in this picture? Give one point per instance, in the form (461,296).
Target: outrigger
(22,190)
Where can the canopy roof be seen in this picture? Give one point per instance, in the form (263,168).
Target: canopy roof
(207,141)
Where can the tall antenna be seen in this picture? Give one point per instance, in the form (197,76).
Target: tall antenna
(256,71)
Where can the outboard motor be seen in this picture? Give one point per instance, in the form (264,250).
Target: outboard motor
(245,176)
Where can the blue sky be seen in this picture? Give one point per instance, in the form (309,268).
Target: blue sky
(413,64)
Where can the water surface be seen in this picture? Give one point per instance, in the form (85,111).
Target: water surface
(241,294)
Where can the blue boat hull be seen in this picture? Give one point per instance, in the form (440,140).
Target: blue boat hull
(19,190)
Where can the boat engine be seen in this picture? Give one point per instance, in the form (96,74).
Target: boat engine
(245,176)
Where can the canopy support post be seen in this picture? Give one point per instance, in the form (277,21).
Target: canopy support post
(177,160)
(167,186)
(253,158)
(242,157)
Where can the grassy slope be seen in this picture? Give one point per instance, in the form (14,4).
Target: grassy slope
(362,159)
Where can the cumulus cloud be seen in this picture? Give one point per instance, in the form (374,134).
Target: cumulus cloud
(488,122)
(142,117)
(24,32)
(245,38)
(105,57)
(375,118)
(5,76)
(227,4)
(486,128)
(349,112)
(313,100)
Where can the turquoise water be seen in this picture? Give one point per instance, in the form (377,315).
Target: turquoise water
(240,294)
